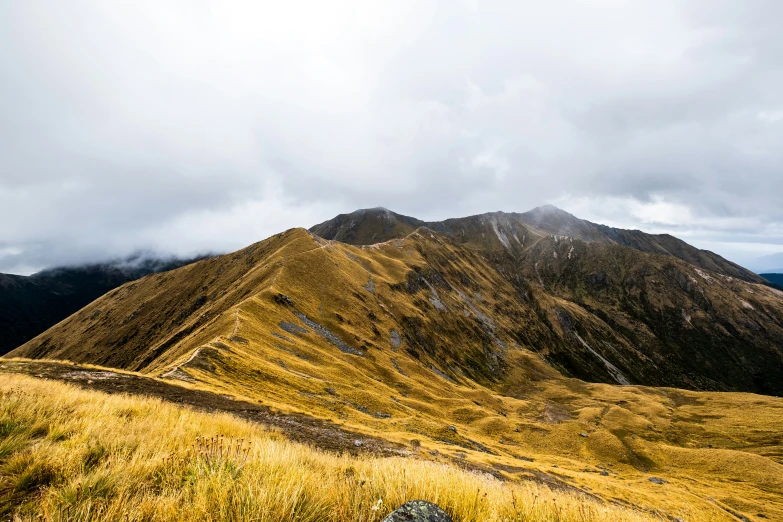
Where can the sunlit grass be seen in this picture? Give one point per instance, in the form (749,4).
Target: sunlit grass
(70,454)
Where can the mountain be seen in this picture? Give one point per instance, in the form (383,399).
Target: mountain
(367,226)
(455,300)
(515,232)
(31,304)
(489,343)
(770,264)
(774,278)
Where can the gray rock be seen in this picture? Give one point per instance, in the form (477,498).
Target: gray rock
(283,300)
(583,435)
(418,511)
(292,328)
(326,334)
(656,480)
(358,443)
(394,335)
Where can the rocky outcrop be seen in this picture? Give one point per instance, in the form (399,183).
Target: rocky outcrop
(418,511)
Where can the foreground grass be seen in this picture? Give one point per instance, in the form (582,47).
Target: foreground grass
(70,454)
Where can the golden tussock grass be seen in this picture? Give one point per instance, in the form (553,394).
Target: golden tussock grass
(71,454)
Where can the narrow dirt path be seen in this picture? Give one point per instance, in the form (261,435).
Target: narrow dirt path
(236,324)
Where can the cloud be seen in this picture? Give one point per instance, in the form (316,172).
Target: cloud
(187,127)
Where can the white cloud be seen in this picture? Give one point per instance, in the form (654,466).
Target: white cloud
(770,116)
(126,124)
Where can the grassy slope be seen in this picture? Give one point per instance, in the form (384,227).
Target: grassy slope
(726,447)
(69,454)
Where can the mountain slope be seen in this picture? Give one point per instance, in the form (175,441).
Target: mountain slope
(599,312)
(713,331)
(367,226)
(465,355)
(424,342)
(119,450)
(31,304)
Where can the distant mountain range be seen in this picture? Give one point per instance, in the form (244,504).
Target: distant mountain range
(31,304)
(483,300)
(771,264)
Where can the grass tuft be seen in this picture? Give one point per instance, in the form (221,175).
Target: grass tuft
(157,465)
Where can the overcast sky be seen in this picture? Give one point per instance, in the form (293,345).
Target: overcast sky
(195,126)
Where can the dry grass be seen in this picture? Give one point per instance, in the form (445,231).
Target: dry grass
(70,454)
(720,452)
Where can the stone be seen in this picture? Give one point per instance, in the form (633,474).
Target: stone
(656,480)
(283,300)
(583,434)
(418,511)
(358,443)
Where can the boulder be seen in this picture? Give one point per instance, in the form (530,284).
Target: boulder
(418,511)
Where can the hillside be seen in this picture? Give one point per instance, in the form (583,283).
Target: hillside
(599,312)
(469,354)
(654,454)
(31,304)
(161,462)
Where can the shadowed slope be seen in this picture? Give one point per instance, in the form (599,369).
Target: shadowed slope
(367,226)
(775,279)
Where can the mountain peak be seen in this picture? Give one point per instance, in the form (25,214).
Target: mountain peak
(548,208)
(550,212)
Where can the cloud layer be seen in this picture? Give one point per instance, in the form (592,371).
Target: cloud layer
(186,127)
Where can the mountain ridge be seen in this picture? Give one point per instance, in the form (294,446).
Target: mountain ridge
(599,312)
(31,304)
(530,360)
(361,227)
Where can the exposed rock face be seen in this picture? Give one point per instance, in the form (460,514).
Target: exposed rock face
(418,511)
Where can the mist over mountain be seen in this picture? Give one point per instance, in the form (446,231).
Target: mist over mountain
(31,304)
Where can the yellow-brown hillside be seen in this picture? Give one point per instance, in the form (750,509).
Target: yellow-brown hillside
(421,340)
